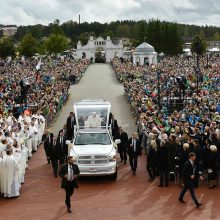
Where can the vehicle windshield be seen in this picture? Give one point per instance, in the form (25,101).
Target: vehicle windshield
(92,138)
(92,116)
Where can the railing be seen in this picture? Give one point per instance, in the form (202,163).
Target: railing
(55,111)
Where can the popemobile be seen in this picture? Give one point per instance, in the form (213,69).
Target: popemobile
(93,147)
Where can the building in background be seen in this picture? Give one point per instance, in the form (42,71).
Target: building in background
(99,50)
(144,55)
(8,31)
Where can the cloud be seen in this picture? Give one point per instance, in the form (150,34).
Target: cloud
(45,11)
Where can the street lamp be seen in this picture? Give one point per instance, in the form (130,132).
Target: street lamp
(207,56)
(197,71)
(158,86)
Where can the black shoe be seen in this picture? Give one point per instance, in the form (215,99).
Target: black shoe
(69,210)
(125,162)
(181,201)
(134,172)
(160,185)
(55,176)
(198,205)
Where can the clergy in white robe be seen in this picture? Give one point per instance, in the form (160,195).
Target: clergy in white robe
(34,137)
(94,121)
(25,134)
(9,183)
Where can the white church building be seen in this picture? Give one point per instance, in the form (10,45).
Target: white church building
(144,55)
(105,48)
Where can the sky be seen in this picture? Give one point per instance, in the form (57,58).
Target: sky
(29,12)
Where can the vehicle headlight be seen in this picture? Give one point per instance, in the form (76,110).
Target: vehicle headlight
(112,158)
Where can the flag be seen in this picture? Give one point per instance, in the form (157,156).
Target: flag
(38,65)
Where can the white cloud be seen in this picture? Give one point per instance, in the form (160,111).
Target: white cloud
(46,11)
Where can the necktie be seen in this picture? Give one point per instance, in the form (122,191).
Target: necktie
(71,173)
(61,141)
(72,122)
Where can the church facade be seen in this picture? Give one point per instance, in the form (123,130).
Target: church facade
(99,47)
(144,55)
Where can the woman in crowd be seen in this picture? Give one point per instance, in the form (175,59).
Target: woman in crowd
(212,166)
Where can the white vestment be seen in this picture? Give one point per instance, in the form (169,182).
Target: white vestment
(9,184)
(94,122)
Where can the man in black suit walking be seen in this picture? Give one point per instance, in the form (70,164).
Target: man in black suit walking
(47,139)
(122,147)
(53,154)
(189,172)
(114,126)
(69,173)
(64,130)
(62,148)
(134,151)
(71,121)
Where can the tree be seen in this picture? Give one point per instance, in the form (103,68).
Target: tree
(56,43)
(6,47)
(215,36)
(28,45)
(198,45)
(142,33)
(56,29)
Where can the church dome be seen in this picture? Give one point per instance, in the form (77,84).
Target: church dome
(144,48)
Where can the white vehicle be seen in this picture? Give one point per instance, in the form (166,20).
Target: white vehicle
(93,147)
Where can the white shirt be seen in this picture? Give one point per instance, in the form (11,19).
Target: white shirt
(134,144)
(70,175)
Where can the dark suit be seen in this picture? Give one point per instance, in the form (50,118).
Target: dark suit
(151,163)
(62,149)
(134,151)
(68,185)
(71,121)
(47,139)
(64,131)
(122,147)
(114,127)
(188,170)
(53,154)
(163,164)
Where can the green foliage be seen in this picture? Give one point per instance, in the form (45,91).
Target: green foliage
(142,32)
(164,37)
(56,43)
(28,45)
(6,47)
(215,36)
(198,45)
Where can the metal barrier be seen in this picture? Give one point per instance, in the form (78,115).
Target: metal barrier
(55,111)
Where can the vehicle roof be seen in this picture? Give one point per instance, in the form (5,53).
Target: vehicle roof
(92,131)
(92,102)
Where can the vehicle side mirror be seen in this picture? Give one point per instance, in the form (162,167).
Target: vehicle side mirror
(117,141)
(68,142)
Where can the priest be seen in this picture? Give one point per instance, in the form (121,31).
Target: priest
(9,170)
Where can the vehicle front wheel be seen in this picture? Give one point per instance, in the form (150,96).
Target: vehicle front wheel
(115,175)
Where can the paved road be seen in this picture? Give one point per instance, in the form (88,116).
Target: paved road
(130,197)
(99,82)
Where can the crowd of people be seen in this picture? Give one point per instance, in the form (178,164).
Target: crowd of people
(32,92)
(168,134)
